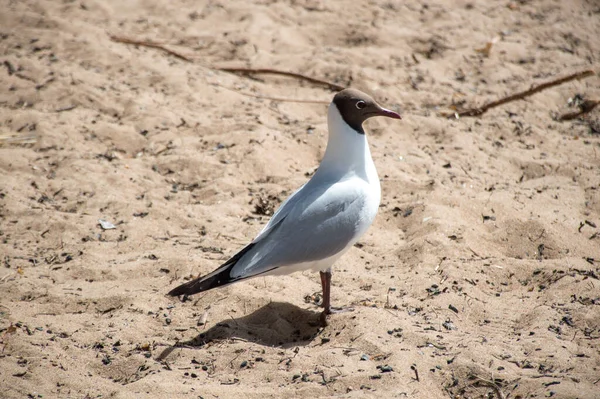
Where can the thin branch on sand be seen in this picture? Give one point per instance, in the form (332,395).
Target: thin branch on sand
(236,70)
(249,71)
(150,44)
(523,94)
(260,96)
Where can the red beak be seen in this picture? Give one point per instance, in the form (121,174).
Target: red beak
(389,114)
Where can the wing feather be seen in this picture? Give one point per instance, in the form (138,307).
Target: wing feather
(316,224)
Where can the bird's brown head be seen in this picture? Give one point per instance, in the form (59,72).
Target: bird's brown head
(355,107)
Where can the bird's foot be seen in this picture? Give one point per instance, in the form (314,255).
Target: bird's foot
(336,310)
(332,310)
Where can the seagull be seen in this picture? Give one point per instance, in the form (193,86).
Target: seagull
(324,218)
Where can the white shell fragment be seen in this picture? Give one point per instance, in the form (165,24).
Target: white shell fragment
(106,225)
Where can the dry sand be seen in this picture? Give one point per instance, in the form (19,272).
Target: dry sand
(477,274)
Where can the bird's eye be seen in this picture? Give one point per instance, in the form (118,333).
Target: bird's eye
(361,104)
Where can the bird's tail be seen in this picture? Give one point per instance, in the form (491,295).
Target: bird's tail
(221,276)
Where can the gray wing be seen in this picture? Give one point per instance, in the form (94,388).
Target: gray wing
(281,213)
(319,222)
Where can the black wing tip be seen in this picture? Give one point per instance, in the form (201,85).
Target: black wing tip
(217,280)
(201,284)
(180,290)
(204,283)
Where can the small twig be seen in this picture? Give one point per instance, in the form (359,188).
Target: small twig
(166,365)
(67,108)
(245,71)
(148,43)
(346,348)
(464,170)
(390,312)
(11,69)
(24,77)
(357,337)
(19,130)
(490,384)
(437,346)
(584,108)
(300,76)
(282,99)
(523,94)
(238,355)
(414,368)
(475,253)
(43,85)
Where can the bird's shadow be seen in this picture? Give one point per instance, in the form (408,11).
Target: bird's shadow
(275,324)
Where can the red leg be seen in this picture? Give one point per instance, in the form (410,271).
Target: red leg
(326,286)
(327,309)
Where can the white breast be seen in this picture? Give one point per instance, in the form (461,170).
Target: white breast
(348,158)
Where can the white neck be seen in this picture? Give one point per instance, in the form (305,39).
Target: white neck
(347,151)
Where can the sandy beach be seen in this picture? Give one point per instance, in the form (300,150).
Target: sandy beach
(478,279)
